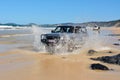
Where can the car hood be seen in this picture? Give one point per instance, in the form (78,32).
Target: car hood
(52,34)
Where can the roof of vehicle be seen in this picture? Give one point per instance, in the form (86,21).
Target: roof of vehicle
(69,26)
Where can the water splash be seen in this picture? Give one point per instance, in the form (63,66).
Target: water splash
(73,42)
(60,49)
(94,41)
(37,31)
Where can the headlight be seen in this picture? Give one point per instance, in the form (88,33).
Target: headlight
(43,37)
(62,38)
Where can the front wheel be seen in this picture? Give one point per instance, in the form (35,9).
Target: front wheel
(50,48)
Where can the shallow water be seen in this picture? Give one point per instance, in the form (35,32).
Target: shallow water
(10,39)
(15,31)
(7,47)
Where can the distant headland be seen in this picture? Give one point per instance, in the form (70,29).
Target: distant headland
(115,23)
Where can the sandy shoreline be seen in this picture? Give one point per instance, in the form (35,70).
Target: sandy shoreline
(20,64)
(34,66)
(115,30)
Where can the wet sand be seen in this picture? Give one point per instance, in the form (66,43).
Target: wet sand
(23,64)
(115,30)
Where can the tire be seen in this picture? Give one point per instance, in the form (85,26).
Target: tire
(70,46)
(50,49)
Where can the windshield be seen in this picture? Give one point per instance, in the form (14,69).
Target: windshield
(64,29)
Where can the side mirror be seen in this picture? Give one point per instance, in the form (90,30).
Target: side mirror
(52,31)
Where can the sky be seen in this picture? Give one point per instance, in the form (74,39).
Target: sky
(58,11)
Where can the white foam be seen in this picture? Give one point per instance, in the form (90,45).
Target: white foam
(37,31)
(103,48)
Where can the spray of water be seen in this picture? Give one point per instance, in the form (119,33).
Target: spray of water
(64,43)
(96,42)
(85,43)
(71,44)
(37,31)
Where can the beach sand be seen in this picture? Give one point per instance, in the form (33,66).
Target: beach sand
(115,30)
(21,64)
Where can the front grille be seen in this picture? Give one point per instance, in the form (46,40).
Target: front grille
(52,37)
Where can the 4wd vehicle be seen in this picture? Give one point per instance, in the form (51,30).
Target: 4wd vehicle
(64,38)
